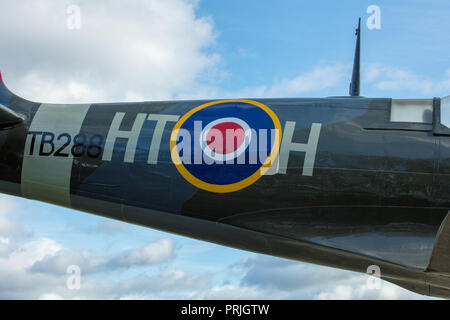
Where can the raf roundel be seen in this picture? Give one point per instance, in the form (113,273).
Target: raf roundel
(224,146)
(214,142)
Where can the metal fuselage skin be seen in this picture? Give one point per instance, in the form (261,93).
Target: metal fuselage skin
(374,192)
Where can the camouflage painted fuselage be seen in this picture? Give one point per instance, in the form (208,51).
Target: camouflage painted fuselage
(375,193)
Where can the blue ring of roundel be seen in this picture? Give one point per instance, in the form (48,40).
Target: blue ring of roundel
(223,174)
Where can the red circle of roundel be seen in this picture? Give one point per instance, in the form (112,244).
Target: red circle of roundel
(225,146)
(217,166)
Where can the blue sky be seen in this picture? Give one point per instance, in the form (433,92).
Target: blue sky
(177,49)
(264,41)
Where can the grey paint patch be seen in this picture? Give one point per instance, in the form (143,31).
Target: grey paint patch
(161,119)
(47,178)
(309,148)
(132,136)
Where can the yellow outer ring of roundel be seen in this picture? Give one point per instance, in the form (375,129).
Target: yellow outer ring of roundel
(227,187)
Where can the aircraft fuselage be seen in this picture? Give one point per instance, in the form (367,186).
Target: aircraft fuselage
(346,181)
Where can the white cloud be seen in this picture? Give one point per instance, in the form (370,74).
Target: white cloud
(284,275)
(58,262)
(50,296)
(31,252)
(152,253)
(293,279)
(8,226)
(338,293)
(355,288)
(165,282)
(37,270)
(151,49)
(315,81)
(391,79)
(233,292)
(53,90)
(318,79)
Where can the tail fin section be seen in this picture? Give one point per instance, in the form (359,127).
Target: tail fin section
(440,257)
(8,118)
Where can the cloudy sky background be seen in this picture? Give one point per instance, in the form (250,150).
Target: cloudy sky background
(181,49)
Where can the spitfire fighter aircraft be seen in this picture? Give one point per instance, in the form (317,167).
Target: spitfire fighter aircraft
(348,182)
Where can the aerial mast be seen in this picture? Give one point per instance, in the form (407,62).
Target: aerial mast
(354,85)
